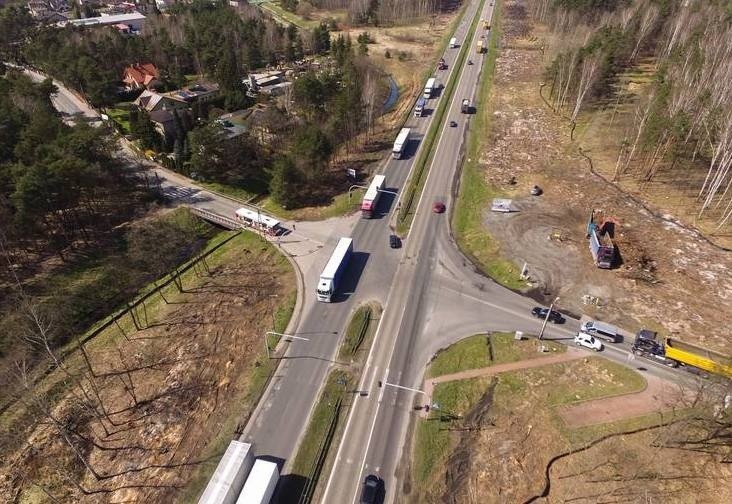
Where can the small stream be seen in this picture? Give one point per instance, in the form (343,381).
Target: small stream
(393,96)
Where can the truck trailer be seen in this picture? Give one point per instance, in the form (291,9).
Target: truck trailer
(602,246)
(429,88)
(480,48)
(330,278)
(420,106)
(673,352)
(400,144)
(261,483)
(230,475)
(371,198)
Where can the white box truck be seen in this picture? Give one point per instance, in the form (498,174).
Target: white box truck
(400,143)
(453,43)
(333,271)
(229,476)
(261,483)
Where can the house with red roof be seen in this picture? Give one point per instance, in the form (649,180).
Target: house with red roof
(139,76)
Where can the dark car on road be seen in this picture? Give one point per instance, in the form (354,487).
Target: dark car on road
(554,316)
(371,489)
(394,241)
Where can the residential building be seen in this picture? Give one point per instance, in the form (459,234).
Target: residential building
(164,123)
(140,76)
(152,101)
(135,21)
(201,92)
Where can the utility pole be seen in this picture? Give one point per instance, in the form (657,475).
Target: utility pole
(546,319)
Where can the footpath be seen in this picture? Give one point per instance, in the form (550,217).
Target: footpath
(570,355)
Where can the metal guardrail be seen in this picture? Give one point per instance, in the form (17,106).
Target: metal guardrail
(219,219)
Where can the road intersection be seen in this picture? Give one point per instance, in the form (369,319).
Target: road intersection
(433,296)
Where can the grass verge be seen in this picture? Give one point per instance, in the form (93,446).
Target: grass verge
(120,115)
(475,194)
(542,388)
(313,449)
(340,205)
(418,177)
(357,330)
(228,190)
(483,350)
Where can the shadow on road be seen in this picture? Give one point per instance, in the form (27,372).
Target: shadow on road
(351,277)
(386,201)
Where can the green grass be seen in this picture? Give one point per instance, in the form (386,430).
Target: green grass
(432,441)
(339,206)
(473,353)
(357,330)
(475,194)
(235,192)
(312,441)
(419,177)
(624,381)
(120,114)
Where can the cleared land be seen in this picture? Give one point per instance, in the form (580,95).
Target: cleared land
(494,439)
(150,409)
(670,278)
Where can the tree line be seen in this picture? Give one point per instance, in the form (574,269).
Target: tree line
(683,122)
(376,12)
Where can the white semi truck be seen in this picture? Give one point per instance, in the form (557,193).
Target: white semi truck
(429,88)
(400,144)
(230,475)
(261,483)
(333,271)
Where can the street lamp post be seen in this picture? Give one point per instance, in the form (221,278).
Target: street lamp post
(266,342)
(546,319)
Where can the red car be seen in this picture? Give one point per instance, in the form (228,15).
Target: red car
(438,207)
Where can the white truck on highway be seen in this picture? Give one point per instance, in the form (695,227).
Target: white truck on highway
(261,483)
(453,43)
(229,476)
(333,271)
(429,88)
(400,143)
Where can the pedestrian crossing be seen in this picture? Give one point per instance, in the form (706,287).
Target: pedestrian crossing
(181,193)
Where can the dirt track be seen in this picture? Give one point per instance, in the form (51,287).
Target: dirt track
(659,395)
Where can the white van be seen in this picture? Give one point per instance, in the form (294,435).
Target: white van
(589,341)
(601,330)
(453,43)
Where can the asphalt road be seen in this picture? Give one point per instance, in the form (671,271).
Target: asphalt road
(437,298)
(280,418)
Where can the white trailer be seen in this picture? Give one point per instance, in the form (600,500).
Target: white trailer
(333,271)
(228,478)
(261,483)
(429,88)
(453,43)
(400,143)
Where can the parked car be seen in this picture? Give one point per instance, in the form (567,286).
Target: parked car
(438,207)
(589,341)
(394,241)
(370,491)
(554,316)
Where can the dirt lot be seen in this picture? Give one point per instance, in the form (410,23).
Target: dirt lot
(163,401)
(512,436)
(670,278)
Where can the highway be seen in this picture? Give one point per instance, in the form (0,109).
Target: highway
(279,420)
